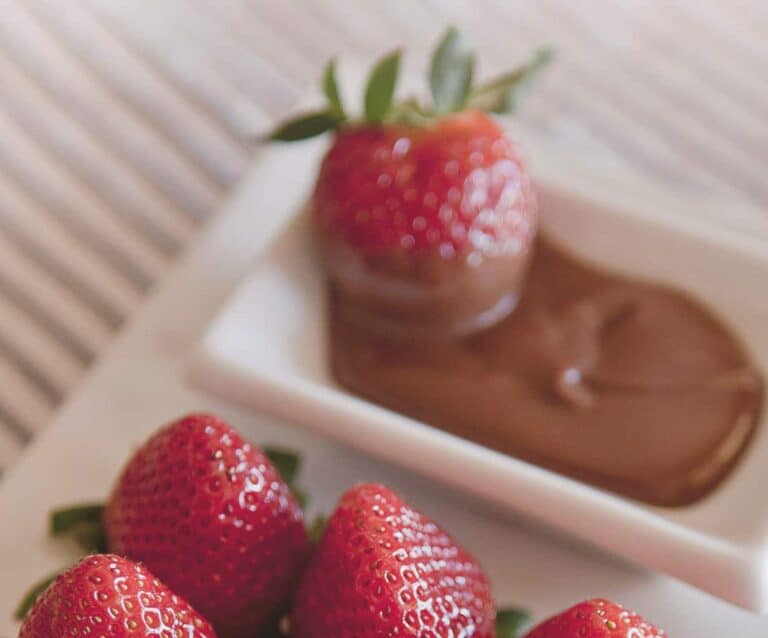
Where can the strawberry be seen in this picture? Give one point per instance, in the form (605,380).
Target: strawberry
(208,513)
(383,569)
(597,618)
(451,186)
(425,213)
(106,595)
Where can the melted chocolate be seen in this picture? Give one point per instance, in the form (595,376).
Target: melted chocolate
(631,386)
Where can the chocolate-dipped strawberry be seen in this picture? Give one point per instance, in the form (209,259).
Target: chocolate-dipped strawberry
(425,215)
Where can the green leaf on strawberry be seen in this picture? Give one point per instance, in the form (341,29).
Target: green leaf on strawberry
(305,126)
(510,621)
(286,462)
(450,75)
(83,523)
(503,94)
(66,519)
(331,89)
(381,88)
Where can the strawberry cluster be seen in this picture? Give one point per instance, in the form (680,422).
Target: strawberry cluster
(203,537)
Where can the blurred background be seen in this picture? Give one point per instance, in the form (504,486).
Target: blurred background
(125,123)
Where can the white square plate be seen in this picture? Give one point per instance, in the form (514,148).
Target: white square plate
(267,350)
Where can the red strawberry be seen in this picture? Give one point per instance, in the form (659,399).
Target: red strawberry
(426,214)
(209,514)
(597,618)
(451,187)
(383,569)
(106,595)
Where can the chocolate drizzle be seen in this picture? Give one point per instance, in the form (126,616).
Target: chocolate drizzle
(633,387)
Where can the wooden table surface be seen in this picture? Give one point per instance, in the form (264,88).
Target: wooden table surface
(124,123)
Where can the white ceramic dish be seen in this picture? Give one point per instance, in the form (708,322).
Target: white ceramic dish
(267,350)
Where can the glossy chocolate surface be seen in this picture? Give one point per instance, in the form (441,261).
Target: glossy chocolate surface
(630,386)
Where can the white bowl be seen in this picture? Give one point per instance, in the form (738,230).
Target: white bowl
(267,349)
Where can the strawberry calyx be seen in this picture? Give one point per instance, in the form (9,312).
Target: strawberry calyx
(451,84)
